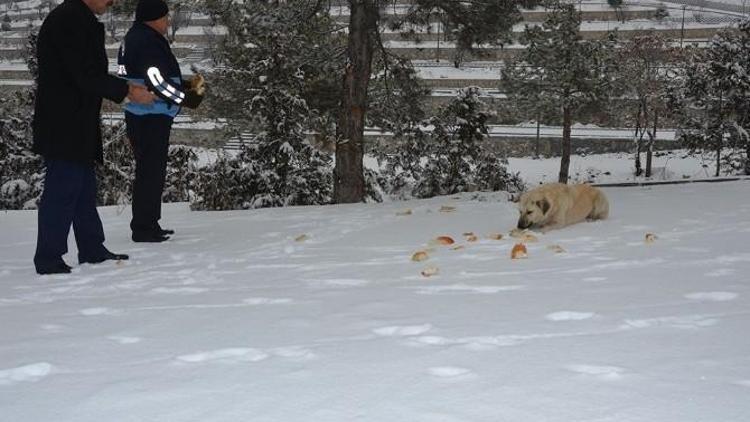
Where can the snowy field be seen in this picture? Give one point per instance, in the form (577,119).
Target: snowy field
(319,314)
(674,165)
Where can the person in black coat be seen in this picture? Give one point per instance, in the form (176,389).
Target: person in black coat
(73,79)
(146,57)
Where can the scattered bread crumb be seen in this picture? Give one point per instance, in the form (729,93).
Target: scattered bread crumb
(443,240)
(519,251)
(420,256)
(556,248)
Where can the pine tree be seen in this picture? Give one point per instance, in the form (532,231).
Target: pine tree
(712,98)
(448,158)
(563,71)
(471,22)
(273,63)
(21,175)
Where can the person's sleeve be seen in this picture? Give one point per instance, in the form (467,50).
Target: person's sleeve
(86,72)
(160,85)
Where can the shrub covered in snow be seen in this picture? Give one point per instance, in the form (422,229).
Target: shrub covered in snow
(712,102)
(21,175)
(448,159)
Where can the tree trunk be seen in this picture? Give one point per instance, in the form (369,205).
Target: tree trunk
(349,181)
(718,160)
(638,142)
(565,160)
(638,166)
(650,146)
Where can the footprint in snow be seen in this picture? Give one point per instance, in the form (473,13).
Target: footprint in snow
(477,343)
(569,316)
(449,371)
(293,353)
(464,288)
(230,355)
(27,373)
(124,339)
(712,296)
(721,272)
(402,331)
(267,301)
(99,311)
(339,282)
(606,373)
(682,322)
(52,328)
(179,290)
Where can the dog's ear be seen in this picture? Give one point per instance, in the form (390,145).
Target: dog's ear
(543,205)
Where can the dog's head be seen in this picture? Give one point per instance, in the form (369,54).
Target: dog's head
(533,208)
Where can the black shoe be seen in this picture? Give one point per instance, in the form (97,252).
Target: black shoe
(59,268)
(166,232)
(149,237)
(108,256)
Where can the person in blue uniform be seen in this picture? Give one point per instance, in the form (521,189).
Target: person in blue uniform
(73,78)
(146,57)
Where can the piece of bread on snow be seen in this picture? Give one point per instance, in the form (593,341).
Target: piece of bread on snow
(443,240)
(519,251)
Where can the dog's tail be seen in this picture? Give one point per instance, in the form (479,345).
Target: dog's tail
(601,206)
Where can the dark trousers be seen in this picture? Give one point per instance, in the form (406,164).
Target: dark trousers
(149,135)
(69,197)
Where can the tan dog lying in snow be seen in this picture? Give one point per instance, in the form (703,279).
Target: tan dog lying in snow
(556,205)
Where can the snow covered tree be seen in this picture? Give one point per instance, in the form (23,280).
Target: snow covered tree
(661,12)
(712,98)
(471,22)
(21,174)
(562,70)
(617,5)
(644,73)
(5,23)
(116,174)
(181,15)
(181,173)
(273,63)
(449,158)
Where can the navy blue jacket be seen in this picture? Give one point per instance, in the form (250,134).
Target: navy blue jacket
(146,57)
(72,80)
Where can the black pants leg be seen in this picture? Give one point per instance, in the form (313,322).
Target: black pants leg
(87,226)
(69,197)
(149,135)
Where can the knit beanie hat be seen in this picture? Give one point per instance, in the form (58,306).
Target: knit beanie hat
(150,10)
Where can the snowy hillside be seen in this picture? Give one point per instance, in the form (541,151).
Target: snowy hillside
(242,318)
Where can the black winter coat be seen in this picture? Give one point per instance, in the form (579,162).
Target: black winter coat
(73,78)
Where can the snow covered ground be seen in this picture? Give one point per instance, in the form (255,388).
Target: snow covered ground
(672,165)
(242,318)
